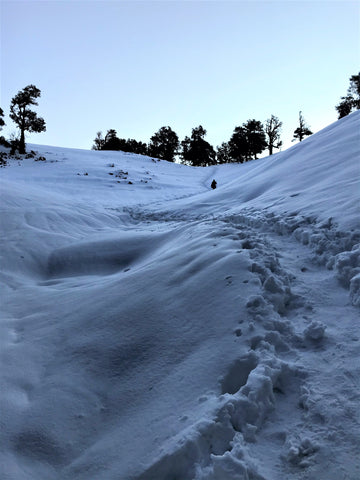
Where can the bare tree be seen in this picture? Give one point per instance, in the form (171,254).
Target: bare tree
(272,131)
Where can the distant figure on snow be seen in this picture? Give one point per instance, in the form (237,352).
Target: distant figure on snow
(213,184)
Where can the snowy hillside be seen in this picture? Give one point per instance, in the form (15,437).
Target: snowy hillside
(155,329)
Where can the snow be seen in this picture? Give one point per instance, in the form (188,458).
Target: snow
(155,328)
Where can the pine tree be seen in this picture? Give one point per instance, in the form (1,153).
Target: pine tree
(247,141)
(223,154)
(196,151)
(238,145)
(256,137)
(303,130)
(164,144)
(26,119)
(352,100)
(111,141)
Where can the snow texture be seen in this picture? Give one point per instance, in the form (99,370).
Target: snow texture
(153,328)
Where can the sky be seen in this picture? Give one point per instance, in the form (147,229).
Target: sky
(136,66)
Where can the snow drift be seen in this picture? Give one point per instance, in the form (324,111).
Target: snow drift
(154,328)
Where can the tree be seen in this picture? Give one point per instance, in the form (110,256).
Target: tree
(134,146)
(164,144)
(303,130)
(352,100)
(272,131)
(256,137)
(99,142)
(2,122)
(247,141)
(3,141)
(223,154)
(185,147)
(238,145)
(344,107)
(26,119)
(196,151)
(112,142)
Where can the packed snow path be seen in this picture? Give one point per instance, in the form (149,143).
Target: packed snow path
(154,329)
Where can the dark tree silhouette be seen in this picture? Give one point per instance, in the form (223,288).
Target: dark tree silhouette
(99,142)
(164,144)
(272,131)
(196,151)
(26,119)
(256,137)
(3,141)
(112,142)
(134,146)
(223,154)
(352,100)
(185,147)
(303,130)
(344,107)
(2,122)
(238,145)
(247,141)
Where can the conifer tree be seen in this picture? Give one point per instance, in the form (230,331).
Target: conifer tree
(223,154)
(302,130)
(26,119)
(196,151)
(247,141)
(238,145)
(164,144)
(352,100)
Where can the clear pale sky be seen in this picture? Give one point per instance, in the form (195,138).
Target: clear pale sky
(136,66)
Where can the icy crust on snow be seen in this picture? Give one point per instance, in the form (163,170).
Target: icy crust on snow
(155,329)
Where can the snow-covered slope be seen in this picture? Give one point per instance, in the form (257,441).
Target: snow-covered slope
(153,328)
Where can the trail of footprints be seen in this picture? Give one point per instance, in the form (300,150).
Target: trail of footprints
(268,374)
(268,381)
(257,383)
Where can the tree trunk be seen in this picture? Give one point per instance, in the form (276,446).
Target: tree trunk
(22,142)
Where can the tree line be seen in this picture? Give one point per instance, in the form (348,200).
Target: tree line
(247,141)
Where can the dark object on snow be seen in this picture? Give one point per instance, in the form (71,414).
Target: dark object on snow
(213,184)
